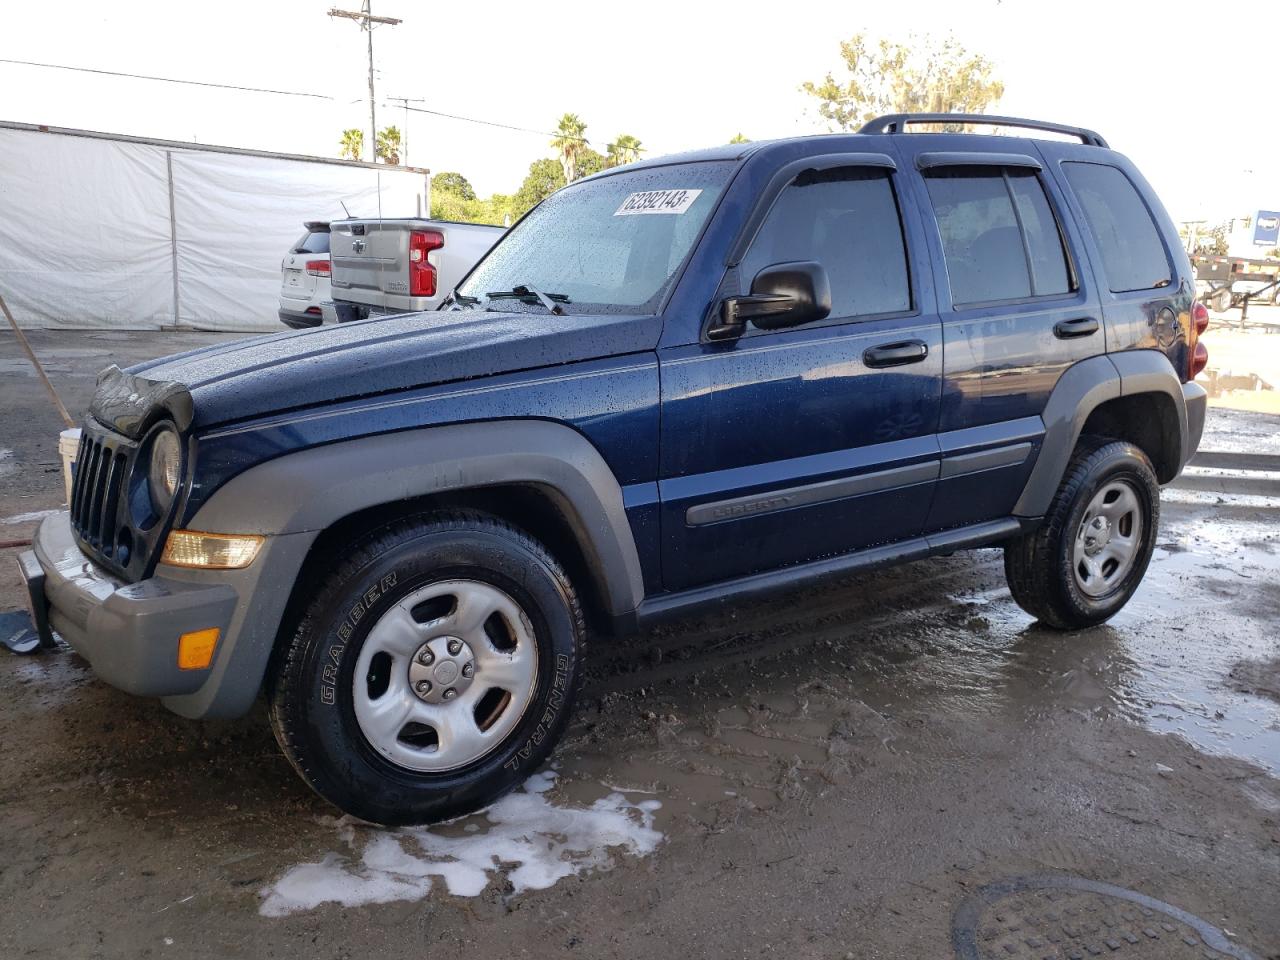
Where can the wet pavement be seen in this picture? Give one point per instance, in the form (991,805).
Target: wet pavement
(835,773)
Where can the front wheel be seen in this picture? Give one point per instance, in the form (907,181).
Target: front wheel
(432,672)
(1086,560)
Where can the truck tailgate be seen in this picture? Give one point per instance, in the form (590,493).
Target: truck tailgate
(370,261)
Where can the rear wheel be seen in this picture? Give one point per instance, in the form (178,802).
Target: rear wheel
(433,671)
(1089,556)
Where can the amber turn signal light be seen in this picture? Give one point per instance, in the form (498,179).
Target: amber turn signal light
(195,649)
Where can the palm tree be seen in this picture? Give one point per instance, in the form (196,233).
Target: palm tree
(626,149)
(389,145)
(739,138)
(570,141)
(352,144)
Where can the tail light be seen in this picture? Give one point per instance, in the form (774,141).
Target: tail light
(319,268)
(422,275)
(1198,354)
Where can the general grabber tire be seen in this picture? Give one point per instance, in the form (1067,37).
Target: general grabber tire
(433,670)
(1088,557)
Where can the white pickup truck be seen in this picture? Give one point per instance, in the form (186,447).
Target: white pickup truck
(386,266)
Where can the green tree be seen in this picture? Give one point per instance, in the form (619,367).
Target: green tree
(626,149)
(501,209)
(449,206)
(351,146)
(921,75)
(589,162)
(570,143)
(455,183)
(388,147)
(739,138)
(545,177)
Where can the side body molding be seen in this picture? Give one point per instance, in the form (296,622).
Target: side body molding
(1080,390)
(292,498)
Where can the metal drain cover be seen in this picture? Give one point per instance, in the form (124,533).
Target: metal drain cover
(1050,917)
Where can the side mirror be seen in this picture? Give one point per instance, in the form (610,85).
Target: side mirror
(783,295)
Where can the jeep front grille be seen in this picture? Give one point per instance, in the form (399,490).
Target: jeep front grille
(101,474)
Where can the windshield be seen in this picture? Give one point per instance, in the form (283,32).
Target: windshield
(611,245)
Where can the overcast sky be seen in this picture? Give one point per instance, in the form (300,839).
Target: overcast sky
(1159,81)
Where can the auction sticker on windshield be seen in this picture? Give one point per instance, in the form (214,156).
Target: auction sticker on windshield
(657,201)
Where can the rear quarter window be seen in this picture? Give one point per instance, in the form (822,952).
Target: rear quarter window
(312,243)
(1133,256)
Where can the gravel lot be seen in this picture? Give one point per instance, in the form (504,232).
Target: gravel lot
(831,774)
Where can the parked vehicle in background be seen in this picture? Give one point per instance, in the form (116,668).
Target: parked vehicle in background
(398,266)
(1222,281)
(691,380)
(304,282)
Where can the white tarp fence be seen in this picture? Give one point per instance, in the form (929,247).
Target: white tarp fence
(104,233)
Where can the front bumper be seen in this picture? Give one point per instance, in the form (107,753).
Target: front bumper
(127,631)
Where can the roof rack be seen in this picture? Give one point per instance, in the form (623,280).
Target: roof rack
(896,122)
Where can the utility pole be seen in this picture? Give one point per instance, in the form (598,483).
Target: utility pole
(404,141)
(364,16)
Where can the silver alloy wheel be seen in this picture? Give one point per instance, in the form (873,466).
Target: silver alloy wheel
(439,694)
(1109,539)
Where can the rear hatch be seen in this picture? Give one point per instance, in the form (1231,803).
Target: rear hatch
(371,260)
(296,283)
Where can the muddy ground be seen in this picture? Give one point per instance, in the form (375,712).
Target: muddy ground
(826,775)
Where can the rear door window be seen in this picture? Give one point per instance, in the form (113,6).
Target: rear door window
(999,235)
(1133,257)
(847,220)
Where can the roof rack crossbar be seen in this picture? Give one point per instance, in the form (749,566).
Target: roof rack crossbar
(896,122)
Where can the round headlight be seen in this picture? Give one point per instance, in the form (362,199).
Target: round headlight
(165,468)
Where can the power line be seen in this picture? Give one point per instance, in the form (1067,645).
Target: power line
(490,123)
(406,101)
(143,76)
(287,93)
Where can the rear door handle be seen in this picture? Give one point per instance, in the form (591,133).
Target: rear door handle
(1080,327)
(895,354)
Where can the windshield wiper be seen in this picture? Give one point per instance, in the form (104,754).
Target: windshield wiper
(524,291)
(461,299)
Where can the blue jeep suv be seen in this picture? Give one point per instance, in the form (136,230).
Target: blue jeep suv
(684,381)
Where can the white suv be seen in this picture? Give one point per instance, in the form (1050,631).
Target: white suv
(305,298)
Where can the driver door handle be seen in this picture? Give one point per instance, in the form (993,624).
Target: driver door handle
(895,354)
(1080,327)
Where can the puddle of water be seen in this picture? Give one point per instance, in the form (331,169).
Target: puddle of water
(1208,601)
(524,837)
(1223,575)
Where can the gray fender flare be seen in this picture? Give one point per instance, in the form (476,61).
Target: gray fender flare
(1082,388)
(1149,371)
(293,498)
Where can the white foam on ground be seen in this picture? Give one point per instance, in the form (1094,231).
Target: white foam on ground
(533,841)
(28,517)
